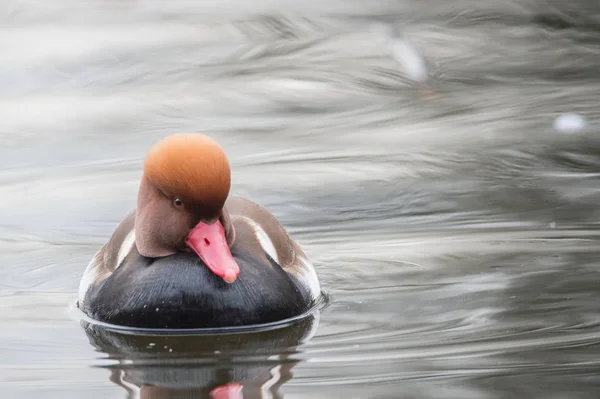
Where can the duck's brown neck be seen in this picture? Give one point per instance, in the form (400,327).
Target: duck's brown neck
(225,220)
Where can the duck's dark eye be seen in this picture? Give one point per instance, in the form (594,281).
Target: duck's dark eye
(177,203)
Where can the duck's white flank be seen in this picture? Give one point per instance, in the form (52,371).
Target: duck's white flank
(300,267)
(96,266)
(126,247)
(308,275)
(89,275)
(263,238)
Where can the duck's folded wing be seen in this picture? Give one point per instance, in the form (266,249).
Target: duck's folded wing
(110,256)
(259,232)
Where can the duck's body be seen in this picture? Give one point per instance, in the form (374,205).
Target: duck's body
(181,286)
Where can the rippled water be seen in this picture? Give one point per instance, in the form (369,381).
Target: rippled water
(457,231)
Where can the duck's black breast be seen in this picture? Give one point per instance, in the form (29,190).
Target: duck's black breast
(179,291)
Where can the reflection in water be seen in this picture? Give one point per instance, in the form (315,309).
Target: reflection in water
(231,366)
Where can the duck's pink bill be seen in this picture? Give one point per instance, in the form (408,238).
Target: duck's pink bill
(229,391)
(209,242)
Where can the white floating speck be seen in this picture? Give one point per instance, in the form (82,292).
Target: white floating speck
(411,62)
(569,123)
(553,225)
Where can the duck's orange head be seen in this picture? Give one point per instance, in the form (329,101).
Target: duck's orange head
(186,181)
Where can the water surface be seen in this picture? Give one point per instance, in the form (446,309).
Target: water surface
(457,232)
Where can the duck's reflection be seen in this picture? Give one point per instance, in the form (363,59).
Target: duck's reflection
(233,366)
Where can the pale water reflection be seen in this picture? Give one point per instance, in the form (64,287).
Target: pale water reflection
(457,232)
(165,366)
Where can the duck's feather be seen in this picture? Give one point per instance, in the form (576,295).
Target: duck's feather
(259,232)
(110,255)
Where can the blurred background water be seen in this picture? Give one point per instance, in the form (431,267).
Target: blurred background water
(453,221)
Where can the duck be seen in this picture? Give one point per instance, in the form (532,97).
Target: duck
(192,256)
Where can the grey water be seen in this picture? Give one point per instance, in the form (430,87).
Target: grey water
(455,228)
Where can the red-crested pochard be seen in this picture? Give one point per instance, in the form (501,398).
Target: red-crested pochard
(190,257)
